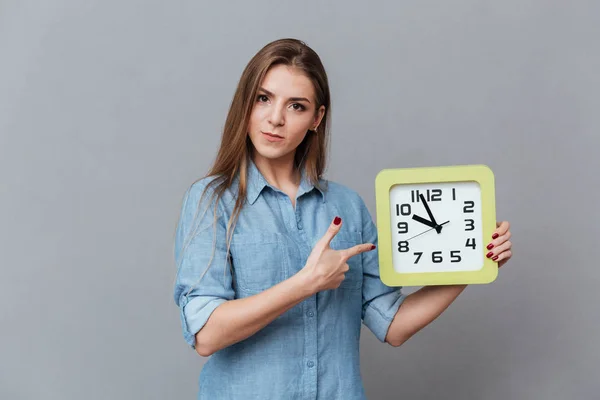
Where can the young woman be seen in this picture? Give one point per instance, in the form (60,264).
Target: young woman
(277,267)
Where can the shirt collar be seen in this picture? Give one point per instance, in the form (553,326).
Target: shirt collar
(257,182)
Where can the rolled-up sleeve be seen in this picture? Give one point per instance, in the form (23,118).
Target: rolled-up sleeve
(380,302)
(203,280)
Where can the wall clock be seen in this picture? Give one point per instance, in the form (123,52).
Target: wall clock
(434,224)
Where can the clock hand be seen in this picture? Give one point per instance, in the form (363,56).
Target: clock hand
(426,231)
(427,208)
(438,228)
(424,221)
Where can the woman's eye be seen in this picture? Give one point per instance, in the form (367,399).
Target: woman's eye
(296,106)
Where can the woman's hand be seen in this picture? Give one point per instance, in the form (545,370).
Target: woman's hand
(500,247)
(326,268)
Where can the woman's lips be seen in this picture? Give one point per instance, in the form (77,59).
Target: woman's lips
(272,138)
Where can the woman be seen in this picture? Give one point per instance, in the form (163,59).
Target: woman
(277,267)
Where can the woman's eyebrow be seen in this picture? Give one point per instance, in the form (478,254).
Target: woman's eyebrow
(290,99)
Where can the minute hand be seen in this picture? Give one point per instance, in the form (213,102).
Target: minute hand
(438,228)
(443,223)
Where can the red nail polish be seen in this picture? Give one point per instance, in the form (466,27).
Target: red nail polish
(490,246)
(495,258)
(373,247)
(495,235)
(337,220)
(489,254)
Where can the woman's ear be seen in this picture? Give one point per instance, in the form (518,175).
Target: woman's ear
(318,117)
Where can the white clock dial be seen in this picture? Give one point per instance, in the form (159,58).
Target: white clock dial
(416,244)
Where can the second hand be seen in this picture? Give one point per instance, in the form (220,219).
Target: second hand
(426,231)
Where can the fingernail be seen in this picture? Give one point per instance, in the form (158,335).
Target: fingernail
(490,246)
(495,235)
(373,247)
(489,254)
(337,220)
(495,258)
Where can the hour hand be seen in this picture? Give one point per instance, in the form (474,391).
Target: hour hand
(424,221)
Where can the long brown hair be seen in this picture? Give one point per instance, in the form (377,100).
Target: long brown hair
(236,148)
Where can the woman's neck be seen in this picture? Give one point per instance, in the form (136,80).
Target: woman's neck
(279,172)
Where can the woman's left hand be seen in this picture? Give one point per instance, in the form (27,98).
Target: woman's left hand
(500,248)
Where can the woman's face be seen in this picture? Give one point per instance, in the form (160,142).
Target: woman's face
(285,107)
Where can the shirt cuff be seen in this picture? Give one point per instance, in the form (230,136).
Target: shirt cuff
(378,320)
(194,314)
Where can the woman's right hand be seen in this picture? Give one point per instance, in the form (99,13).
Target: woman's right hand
(326,267)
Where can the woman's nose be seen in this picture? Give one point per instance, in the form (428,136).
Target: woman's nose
(276,117)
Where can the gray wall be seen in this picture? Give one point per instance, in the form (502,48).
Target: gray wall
(110,109)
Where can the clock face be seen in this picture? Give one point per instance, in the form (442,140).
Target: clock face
(447,237)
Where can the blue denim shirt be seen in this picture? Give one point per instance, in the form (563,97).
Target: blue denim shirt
(312,350)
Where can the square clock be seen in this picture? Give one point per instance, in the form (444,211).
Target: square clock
(434,224)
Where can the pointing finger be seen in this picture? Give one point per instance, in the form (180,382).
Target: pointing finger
(360,248)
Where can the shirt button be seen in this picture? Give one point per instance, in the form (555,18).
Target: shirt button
(310,364)
(310,313)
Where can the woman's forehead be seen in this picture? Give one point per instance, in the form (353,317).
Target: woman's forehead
(285,81)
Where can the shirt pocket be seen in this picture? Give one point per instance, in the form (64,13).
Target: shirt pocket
(259,261)
(345,240)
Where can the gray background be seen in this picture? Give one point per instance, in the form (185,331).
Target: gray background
(110,109)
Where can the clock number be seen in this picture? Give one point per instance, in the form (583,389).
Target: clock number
(403,209)
(470,243)
(470,225)
(418,254)
(432,195)
(415,196)
(455,254)
(437,258)
(468,208)
(402,227)
(403,246)
(453,193)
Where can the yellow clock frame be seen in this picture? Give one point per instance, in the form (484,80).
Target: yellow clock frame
(388,178)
